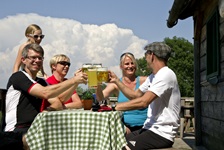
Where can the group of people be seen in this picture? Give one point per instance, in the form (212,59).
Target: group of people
(150,104)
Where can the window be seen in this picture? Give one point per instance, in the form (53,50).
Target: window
(212,30)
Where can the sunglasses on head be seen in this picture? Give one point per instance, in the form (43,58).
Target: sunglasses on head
(64,63)
(36,36)
(127,53)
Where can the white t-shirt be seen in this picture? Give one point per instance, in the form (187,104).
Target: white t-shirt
(163,112)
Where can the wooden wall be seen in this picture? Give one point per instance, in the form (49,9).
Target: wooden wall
(212,96)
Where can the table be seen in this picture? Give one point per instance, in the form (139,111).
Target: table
(76,130)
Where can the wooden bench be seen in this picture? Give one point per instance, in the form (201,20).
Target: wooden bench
(179,144)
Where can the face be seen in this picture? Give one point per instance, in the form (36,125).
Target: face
(128,67)
(62,67)
(148,58)
(36,37)
(33,62)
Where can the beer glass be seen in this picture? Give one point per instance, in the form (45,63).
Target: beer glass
(102,75)
(92,77)
(86,66)
(97,65)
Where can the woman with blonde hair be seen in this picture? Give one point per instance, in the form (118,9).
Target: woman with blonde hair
(34,35)
(59,67)
(134,119)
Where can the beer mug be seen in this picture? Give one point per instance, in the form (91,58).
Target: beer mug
(102,75)
(92,77)
(97,65)
(86,66)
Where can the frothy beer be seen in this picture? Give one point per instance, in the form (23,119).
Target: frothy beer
(85,67)
(92,77)
(102,75)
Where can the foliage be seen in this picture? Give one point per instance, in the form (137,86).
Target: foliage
(181,62)
(79,91)
(142,70)
(87,94)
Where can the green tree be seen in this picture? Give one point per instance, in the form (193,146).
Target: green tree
(181,62)
(142,70)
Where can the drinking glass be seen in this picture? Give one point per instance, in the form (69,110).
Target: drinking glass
(97,65)
(92,77)
(102,75)
(86,66)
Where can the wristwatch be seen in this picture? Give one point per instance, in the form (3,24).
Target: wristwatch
(113,107)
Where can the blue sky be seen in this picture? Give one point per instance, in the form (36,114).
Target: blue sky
(96,31)
(147,18)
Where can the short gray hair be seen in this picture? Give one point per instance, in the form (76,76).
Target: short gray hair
(37,48)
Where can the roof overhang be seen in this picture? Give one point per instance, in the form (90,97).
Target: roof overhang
(181,9)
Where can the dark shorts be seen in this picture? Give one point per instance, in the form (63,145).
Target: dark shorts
(11,141)
(134,128)
(146,139)
(21,130)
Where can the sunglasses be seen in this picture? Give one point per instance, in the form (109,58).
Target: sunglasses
(34,58)
(36,36)
(125,54)
(64,63)
(148,52)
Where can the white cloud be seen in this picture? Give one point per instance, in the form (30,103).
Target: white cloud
(82,43)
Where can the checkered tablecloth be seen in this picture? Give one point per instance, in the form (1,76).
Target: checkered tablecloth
(76,130)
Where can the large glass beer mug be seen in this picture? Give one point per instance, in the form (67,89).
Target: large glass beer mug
(102,75)
(86,66)
(92,77)
(97,65)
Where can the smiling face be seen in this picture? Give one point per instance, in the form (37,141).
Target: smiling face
(33,61)
(128,66)
(36,37)
(60,65)
(34,34)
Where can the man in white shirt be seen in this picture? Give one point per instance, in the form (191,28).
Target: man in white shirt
(160,92)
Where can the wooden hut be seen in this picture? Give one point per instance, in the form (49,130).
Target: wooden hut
(208,19)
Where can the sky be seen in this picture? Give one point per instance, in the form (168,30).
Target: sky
(87,31)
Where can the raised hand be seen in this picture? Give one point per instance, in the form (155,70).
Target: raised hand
(81,77)
(113,77)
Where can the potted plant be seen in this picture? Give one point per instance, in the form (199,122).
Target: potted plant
(87,99)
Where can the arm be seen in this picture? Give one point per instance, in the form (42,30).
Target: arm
(138,103)
(17,63)
(76,102)
(103,94)
(142,79)
(57,102)
(53,90)
(70,92)
(129,93)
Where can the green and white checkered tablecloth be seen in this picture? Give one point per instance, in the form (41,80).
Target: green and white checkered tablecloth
(76,130)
